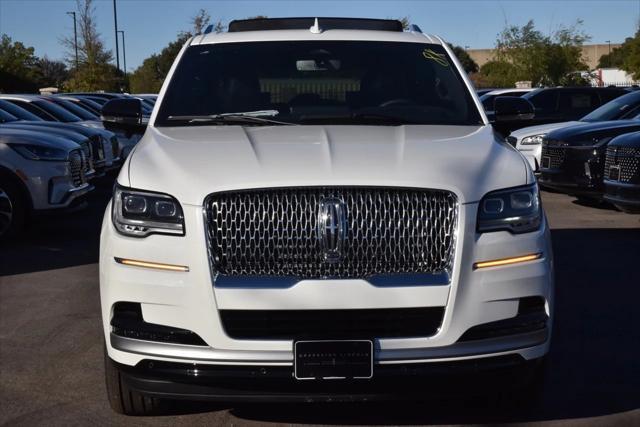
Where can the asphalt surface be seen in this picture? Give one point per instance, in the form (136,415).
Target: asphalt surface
(51,369)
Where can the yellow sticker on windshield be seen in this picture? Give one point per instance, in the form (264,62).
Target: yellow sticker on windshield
(440,58)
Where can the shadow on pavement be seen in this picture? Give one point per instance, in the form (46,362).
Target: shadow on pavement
(593,369)
(59,239)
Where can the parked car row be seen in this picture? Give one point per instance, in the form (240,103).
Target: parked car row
(51,148)
(595,156)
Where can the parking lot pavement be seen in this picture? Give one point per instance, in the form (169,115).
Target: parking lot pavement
(51,346)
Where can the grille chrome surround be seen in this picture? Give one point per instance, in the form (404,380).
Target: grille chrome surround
(77,166)
(274,232)
(628,159)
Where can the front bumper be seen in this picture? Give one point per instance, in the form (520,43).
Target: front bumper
(626,196)
(275,383)
(190,301)
(51,186)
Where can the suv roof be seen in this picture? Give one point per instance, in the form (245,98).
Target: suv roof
(261,24)
(285,29)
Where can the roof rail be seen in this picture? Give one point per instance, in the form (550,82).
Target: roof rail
(262,24)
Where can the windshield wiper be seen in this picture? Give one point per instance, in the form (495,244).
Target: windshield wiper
(239,117)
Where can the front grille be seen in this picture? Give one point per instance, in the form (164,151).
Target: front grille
(274,232)
(115,147)
(87,149)
(627,158)
(555,155)
(97,148)
(332,324)
(77,166)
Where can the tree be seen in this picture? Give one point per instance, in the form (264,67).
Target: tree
(625,57)
(149,76)
(524,53)
(95,71)
(51,73)
(465,59)
(631,62)
(18,71)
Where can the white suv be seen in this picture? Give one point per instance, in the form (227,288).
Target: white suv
(318,209)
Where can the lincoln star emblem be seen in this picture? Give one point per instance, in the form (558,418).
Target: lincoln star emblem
(332,228)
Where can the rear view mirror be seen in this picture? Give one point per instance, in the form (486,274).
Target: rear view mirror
(123,115)
(512,108)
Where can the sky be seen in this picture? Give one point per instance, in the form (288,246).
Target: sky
(150,25)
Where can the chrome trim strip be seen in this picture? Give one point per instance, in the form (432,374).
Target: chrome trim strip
(193,352)
(285,282)
(468,349)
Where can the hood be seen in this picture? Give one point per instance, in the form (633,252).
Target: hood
(41,139)
(591,132)
(93,124)
(191,162)
(540,129)
(74,127)
(631,140)
(51,130)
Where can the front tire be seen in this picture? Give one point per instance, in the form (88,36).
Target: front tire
(122,398)
(12,211)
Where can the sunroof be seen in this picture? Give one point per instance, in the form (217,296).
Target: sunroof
(262,24)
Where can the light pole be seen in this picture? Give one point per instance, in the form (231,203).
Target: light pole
(115,21)
(75,34)
(124,54)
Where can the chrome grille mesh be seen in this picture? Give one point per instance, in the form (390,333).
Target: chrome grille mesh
(627,158)
(273,232)
(77,165)
(556,156)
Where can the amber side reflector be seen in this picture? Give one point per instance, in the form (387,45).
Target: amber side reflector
(507,261)
(154,265)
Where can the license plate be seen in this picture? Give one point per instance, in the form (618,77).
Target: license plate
(546,162)
(333,359)
(614,173)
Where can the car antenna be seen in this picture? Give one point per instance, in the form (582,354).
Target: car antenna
(315,28)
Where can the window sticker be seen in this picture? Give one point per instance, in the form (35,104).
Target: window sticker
(439,58)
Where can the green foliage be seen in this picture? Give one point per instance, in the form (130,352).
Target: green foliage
(18,71)
(625,57)
(51,73)
(631,62)
(149,76)
(525,54)
(95,71)
(465,59)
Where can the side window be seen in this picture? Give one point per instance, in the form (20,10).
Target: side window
(545,101)
(578,101)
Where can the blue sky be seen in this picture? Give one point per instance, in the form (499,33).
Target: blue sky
(152,24)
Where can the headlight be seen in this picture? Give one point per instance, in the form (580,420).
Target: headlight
(514,209)
(141,213)
(36,152)
(532,140)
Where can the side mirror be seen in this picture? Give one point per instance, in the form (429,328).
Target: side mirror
(512,108)
(123,115)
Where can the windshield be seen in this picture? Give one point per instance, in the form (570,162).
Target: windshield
(6,117)
(73,108)
(18,112)
(57,111)
(623,107)
(311,82)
